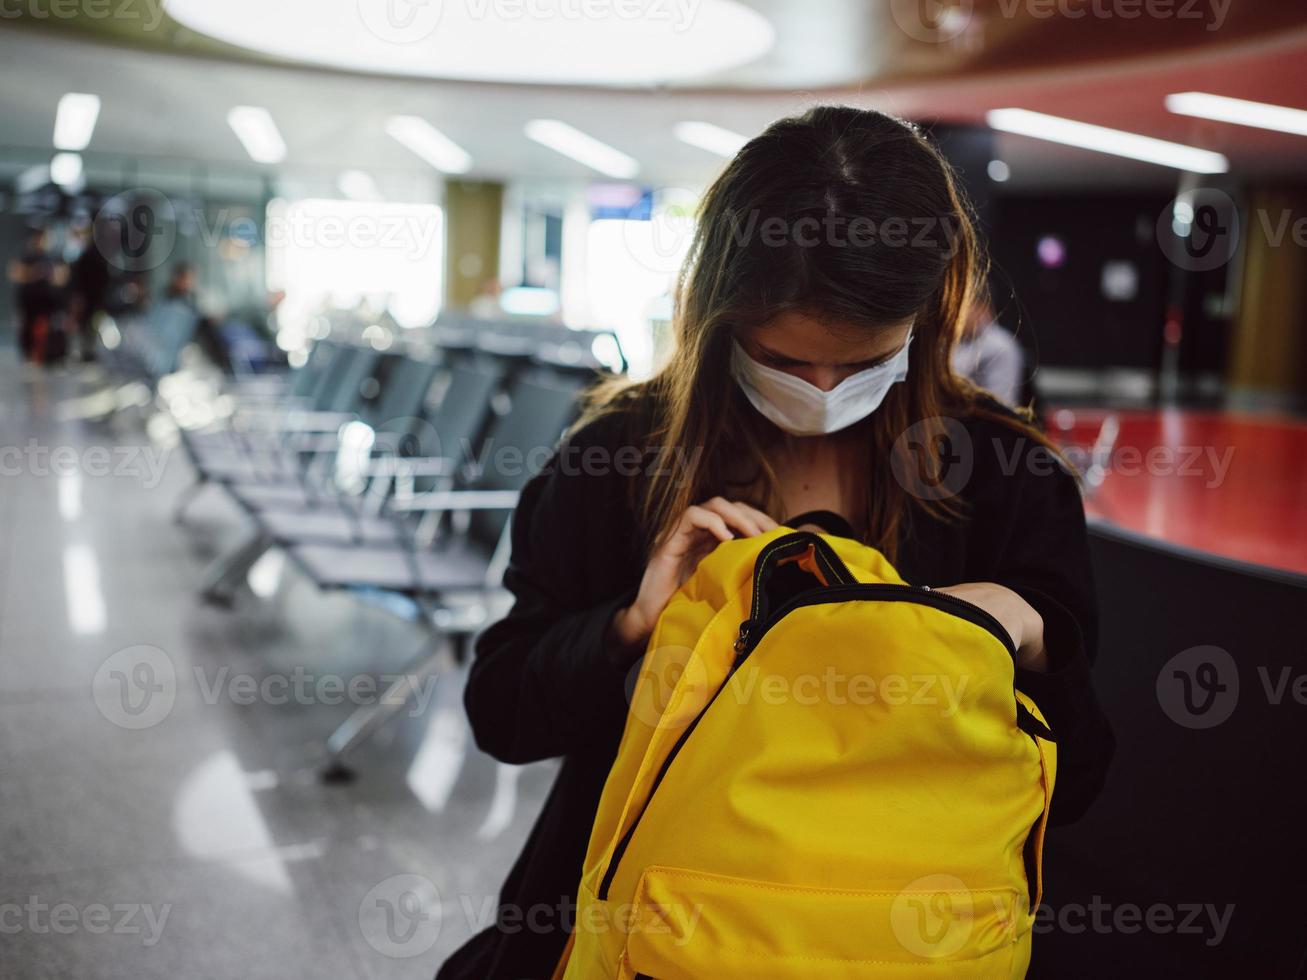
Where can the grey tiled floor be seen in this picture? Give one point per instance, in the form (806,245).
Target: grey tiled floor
(202,845)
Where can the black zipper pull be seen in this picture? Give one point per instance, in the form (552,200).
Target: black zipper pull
(742,641)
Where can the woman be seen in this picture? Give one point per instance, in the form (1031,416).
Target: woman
(833,267)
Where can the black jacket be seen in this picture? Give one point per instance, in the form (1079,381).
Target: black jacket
(545,683)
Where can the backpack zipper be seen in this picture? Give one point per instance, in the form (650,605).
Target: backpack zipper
(748,639)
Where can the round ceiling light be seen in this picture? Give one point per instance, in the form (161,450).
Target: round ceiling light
(577,42)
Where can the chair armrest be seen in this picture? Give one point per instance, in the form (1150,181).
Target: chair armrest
(259,386)
(267,403)
(410,466)
(295,420)
(259,443)
(459,500)
(302,421)
(310,442)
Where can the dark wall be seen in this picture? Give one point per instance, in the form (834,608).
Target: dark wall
(969,150)
(1062,313)
(1203,809)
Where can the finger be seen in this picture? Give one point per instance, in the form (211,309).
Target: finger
(734,515)
(761,518)
(703,519)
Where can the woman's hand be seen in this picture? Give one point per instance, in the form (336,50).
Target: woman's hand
(1018,617)
(673,561)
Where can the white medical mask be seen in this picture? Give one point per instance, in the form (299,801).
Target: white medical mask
(803,409)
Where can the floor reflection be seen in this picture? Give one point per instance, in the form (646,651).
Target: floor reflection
(212,809)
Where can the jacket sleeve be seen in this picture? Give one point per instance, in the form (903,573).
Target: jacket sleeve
(1045,559)
(545,682)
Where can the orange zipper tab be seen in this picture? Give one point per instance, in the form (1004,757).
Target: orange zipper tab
(807,560)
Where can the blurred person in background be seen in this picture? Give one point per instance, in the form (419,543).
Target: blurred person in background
(183,287)
(89,290)
(40,281)
(989,356)
(181,284)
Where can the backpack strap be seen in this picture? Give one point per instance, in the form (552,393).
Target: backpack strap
(827,520)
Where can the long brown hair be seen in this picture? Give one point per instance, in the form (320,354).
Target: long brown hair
(846,215)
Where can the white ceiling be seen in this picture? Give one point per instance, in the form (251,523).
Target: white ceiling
(168,110)
(573,42)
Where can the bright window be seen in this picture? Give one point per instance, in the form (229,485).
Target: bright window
(630,273)
(329,254)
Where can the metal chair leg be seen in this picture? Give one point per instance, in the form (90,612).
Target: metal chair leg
(225,575)
(187,496)
(368,719)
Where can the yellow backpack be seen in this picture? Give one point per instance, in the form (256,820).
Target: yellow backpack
(825,773)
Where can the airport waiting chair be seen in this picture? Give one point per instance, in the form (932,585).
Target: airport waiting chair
(282,448)
(327,390)
(256,417)
(285,389)
(272,462)
(454,585)
(148,346)
(172,325)
(251,359)
(409,457)
(387,412)
(292,514)
(542,407)
(543,340)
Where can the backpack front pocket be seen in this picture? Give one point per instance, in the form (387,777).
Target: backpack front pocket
(687,925)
